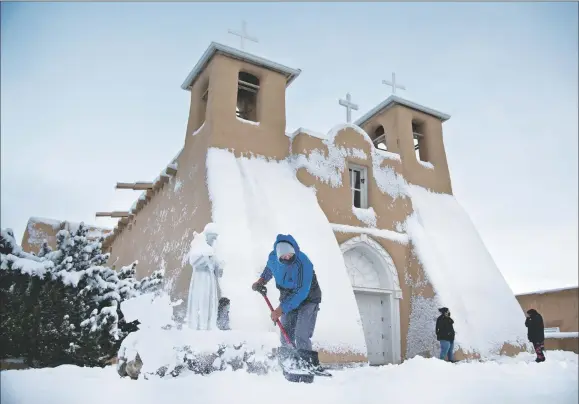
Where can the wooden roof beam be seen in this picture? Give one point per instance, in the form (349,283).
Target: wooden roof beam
(171,169)
(112,214)
(163,179)
(136,186)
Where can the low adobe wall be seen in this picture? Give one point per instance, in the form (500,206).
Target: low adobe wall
(562,344)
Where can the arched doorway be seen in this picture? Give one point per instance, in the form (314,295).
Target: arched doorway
(377,290)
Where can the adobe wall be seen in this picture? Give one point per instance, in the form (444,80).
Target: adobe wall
(266,138)
(37,230)
(161,232)
(397,123)
(562,344)
(390,210)
(558,308)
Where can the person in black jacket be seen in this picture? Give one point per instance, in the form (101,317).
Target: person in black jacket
(445,334)
(536,333)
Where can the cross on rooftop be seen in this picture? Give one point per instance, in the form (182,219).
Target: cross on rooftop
(243,34)
(349,107)
(393,84)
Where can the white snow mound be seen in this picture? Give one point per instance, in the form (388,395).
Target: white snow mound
(253,200)
(464,276)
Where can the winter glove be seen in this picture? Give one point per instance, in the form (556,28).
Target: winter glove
(258,284)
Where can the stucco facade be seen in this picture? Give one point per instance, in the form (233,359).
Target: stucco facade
(160,227)
(559,307)
(39,230)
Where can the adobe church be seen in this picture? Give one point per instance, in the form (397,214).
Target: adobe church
(357,176)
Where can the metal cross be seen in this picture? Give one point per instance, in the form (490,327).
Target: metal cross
(349,107)
(243,34)
(393,84)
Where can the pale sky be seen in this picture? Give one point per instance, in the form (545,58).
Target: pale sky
(91,95)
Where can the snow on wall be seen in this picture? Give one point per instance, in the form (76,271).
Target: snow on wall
(388,180)
(463,274)
(547,291)
(37,235)
(381,233)
(562,335)
(421,339)
(253,200)
(328,169)
(366,216)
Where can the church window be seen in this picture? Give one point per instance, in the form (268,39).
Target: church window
(418,137)
(380,138)
(247,91)
(358,185)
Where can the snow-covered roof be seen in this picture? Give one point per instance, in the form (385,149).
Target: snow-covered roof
(394,100)
(544,292)
(217,48)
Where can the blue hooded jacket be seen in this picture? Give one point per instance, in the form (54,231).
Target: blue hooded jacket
(296,281)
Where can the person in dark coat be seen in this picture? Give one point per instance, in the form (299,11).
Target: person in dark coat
(445,334)
(536,333)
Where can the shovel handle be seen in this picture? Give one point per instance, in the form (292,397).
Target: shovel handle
(263,291)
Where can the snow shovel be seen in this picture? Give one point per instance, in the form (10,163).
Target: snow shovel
(298,365)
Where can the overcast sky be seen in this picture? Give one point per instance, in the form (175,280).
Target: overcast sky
(91,95)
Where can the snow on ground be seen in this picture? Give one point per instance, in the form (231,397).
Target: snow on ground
(257,199)
(463,274)
(159,348)
(419,380)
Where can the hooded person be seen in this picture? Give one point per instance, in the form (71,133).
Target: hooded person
(445,334)
(536,333)
(300,294)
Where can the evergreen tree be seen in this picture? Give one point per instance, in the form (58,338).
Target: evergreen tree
(67,310)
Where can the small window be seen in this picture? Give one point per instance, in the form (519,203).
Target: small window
(418,137)
(380,138)
(247,91)
(358,186)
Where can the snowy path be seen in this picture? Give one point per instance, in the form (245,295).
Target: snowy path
(511,380)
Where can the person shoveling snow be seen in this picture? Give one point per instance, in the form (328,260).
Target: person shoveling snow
(300,298)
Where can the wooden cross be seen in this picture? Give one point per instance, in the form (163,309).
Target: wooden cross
(393,84)
(347,103)
(243,34)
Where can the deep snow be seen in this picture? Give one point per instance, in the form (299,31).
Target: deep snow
(464,275)
(253,200)
(419,380)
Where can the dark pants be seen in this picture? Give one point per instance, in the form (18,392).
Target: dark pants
(540,351)
(299,325)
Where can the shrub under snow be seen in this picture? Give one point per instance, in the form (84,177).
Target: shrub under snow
(63,306)
(161,349)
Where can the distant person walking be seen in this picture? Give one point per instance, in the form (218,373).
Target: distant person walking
(536,333)
(445,334)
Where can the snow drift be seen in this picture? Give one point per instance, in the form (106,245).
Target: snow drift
(418,380)
(161,349)
(253,200)
(464,276)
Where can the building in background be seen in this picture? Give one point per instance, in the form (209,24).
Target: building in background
(560,311)
(40,229)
